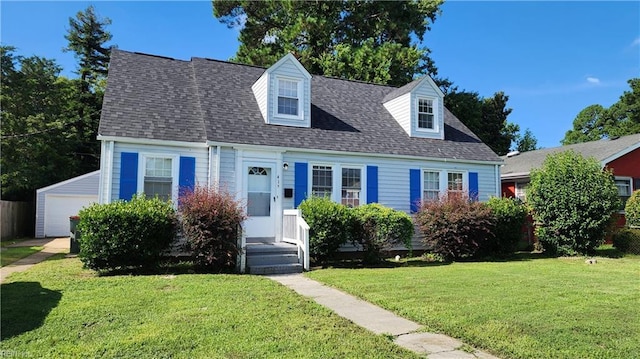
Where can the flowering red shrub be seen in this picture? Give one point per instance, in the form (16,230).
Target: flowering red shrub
(211,222)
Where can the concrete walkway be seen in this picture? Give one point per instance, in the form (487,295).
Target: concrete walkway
(51,247)
(380,321)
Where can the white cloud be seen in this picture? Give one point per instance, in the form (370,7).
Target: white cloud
(593,80)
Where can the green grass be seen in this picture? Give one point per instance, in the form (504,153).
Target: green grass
(58,310)
(527,308)
(12,254)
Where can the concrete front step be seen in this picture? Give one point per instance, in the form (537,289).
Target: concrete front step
(272,259)
(275,248)
(276,269)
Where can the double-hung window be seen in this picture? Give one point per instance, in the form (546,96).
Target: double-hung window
(288,97)
(624,189)
(351,186)
(454,182)
(158,177)
(322,181)
(521,190)
(431,186)
(426,118)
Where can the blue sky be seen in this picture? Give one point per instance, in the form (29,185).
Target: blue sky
(552,58)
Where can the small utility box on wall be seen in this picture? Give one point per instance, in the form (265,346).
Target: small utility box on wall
(288,193)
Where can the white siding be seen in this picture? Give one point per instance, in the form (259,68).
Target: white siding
(400,109)
(201,155)
(288,69)
(81,186)
(260,92)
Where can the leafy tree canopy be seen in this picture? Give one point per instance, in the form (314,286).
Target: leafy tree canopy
(376,41)
(596,122)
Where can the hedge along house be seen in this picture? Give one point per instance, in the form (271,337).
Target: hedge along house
(275,136)
(620,154)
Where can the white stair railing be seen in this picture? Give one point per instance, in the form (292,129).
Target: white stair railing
(295,230)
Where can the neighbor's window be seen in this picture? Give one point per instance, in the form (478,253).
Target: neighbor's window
(454,182)
(521,190)
(158,178)
(431,186)
(287,97)
(322,181)
(351,186)
(624,189)
(425,114)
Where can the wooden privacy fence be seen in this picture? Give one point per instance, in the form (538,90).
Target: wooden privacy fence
(16,219)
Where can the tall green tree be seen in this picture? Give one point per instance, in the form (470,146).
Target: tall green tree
(376,41)
(36,107)
(87,37)
(596,122)
(486,117)
(526,142)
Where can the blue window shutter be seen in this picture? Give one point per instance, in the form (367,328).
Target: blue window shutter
(301,182)
(128,175)
(414,189)
(473,186)
(372,184)
(187,179)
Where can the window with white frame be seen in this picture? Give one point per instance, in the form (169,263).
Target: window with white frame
(521,190)
(455,182)
(426,118)
(158,177)
(322,181)
(351,186)
(625,189)
(431,185)
(288,97)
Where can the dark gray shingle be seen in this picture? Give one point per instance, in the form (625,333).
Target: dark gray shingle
(158,98)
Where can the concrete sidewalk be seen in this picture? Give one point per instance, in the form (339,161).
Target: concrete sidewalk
(380,321)
(51,247)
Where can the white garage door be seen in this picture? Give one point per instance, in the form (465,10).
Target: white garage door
(59,208)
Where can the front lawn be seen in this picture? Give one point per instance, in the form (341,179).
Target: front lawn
(529,308)
(12,254)
(58,310)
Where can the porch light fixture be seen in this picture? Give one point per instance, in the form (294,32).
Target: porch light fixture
(285,166)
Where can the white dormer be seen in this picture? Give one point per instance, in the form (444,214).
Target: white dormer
(419,108)
(283,93)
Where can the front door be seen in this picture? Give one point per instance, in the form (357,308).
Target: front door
(261,199)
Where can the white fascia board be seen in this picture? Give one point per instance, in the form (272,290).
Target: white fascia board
(55,185)
(515,176)
(361,154)
(146,141)
(615,156)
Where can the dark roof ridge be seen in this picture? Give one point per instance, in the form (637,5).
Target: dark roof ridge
(152,55)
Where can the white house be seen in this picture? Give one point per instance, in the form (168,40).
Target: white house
(275,136)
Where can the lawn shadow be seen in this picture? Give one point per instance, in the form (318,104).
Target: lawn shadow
(608,252)
(389,263)
(25,305)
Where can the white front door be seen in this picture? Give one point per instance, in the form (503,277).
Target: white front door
(260,192)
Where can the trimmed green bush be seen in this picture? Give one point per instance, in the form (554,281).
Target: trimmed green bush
(627,240)
(632,209)
(509,215)
(377,229)
(130,234)
(572,200)
(211,221)
(330,226)
(455,227)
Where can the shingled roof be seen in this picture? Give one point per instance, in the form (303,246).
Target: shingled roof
(153,97)
(520,165)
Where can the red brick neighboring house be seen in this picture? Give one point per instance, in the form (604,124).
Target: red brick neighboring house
(621,155)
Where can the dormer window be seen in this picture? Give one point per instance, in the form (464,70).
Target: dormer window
(425,114)
(288,97)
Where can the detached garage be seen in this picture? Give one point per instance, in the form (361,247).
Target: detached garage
(56,203)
